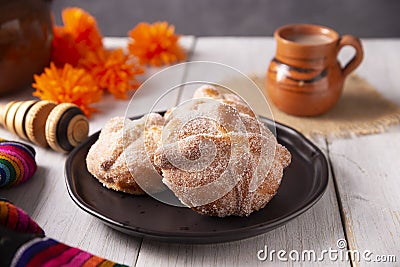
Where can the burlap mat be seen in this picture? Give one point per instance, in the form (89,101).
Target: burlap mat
(361,110)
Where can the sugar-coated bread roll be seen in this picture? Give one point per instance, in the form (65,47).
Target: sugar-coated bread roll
(122,157)
(224,161)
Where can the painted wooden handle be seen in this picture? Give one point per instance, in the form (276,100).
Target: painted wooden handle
(357,58)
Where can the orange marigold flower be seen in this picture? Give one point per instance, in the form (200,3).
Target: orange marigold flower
(155,44)
(64,49)
(76,38)
(83,27)
(68,85)
(112,71)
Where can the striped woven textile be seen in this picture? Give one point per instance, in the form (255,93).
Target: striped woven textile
(49,252)
(16,219)
(20,232)
(17,163)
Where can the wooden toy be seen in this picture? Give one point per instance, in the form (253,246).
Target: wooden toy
(62,127)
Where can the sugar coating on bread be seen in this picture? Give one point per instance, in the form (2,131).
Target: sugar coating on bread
(209,91)
(218,160)
(123,154)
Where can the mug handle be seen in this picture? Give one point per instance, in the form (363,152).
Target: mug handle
(357,58)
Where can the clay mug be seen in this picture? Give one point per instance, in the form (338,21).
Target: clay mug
(305,78)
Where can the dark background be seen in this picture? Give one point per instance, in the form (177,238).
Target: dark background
(364,18)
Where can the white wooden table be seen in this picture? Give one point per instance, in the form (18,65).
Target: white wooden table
(361,204)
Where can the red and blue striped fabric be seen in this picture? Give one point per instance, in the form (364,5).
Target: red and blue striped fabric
(43,251)
(48,252)
(16,219)
(17,163)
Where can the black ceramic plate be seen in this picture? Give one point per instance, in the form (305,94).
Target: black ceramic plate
(303,184)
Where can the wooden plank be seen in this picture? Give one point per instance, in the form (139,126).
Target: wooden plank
(318,229)
(380,65)
(45,196)
(365,168)
(366,172)
(251,56)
